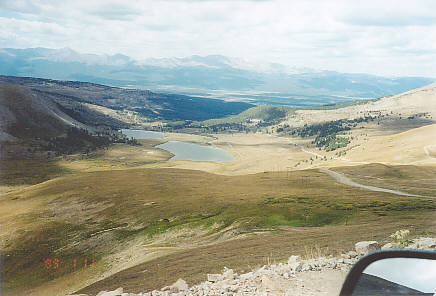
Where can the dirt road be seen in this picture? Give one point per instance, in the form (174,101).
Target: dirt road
(347,181)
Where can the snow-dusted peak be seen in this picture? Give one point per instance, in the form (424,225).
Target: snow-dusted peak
(67,55)
(220,62)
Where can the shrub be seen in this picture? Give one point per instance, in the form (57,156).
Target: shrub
(399,238)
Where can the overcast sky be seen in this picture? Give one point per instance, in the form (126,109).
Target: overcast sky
(383,37)
(414,273)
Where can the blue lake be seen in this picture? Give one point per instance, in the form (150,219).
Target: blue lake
(195,152)
(142,134)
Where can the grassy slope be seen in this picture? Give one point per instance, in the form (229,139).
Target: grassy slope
(153,106)
(340,104)
(41,127)
(31,118)
(98,213)
(271,113)
(28,171)
(274,114)
(413,179)
(265,113)
(247,253)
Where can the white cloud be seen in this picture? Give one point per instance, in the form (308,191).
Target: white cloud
(380,37)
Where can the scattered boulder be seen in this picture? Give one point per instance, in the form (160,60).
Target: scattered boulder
(269,279)
(387,246)
(423,243)
(214,277)
(293,259)
(117,292)
(305,267)
(345,256)
(294,264)
(246,275)
(352,254)
(363,248)
(179,286)
(228,274)
(296,267)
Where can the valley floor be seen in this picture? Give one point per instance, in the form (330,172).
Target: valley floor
(255,153)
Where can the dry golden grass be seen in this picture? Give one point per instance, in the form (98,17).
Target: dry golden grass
(412,179)
(401,148)
(148,222)
(102,213)
(402,105)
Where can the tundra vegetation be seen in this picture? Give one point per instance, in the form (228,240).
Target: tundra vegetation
(108,211)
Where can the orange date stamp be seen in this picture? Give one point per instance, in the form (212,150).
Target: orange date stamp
(55,263)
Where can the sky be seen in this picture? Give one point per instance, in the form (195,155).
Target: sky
(415,273)
(389,37)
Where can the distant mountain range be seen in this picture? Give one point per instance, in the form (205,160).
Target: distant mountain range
(209,76)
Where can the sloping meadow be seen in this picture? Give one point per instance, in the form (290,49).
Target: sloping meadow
(93,215)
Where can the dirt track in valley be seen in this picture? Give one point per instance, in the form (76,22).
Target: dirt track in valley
(347,181)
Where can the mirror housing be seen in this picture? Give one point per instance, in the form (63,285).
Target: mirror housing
(357,270)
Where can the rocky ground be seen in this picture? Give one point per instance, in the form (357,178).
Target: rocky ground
(317,276)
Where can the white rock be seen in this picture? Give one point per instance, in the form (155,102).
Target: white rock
(365,247)
(296,266)
(228,274)
(214,277)
(387,246)
(352,254)
(293,259)
(306,267)
(178,286)
(345,256)
(247,275)
(322,261)
(426,243)
(116,292)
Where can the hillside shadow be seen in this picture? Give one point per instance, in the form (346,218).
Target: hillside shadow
(15,172)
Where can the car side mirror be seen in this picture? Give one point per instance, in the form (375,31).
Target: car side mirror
(392,272)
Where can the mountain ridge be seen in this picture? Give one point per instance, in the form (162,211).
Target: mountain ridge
(41,116)
(213,76)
